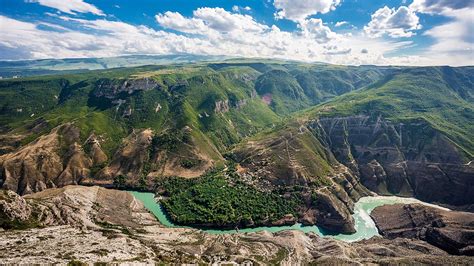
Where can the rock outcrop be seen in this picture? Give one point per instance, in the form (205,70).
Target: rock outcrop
(14,210)
(449,230)
(332,213)
(222,106)
(112,89)
(76,206)
(96,153)
(54,159)
(131,158)
(410,159)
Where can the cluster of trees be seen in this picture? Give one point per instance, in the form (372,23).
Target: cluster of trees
(212,201)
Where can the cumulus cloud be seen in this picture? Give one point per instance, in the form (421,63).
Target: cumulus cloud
(70,6)
(315,29)
(298,10)
(210,21)
(396,23)
(175,21)
(453,40)
(222,20)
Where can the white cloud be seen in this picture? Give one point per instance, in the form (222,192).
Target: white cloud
(341,23)
(453,40)
(175,21)
(298,10)
(239,9)
(221,20)
(396,23)
(209,21)
(315,29)
(70,6)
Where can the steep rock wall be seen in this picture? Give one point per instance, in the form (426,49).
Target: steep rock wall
(408,159)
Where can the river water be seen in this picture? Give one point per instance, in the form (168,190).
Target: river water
(364,225)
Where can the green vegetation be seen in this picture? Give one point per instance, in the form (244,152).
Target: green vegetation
(416,94)
(76,263)
(282,91)
(214,201)
(8,224)
(119,181)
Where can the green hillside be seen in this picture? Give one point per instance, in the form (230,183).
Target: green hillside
(438,95)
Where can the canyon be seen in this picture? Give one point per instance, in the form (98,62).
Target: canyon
(303,142)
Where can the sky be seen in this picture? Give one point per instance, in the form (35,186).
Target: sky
(349,32)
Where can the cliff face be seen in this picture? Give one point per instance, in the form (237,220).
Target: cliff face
(336,158)
(410,159)
(113,89)
(449,230)
(54,159)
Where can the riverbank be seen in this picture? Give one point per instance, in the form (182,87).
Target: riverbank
(364,225)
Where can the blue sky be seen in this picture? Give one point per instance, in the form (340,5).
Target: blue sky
(383,32)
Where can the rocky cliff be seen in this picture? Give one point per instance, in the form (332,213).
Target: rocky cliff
(408,159)
(54,159)
(114,89)
(449,230)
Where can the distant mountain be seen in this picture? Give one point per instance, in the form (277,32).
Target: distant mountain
(25,68)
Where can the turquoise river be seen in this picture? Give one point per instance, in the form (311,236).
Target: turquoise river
(364,225)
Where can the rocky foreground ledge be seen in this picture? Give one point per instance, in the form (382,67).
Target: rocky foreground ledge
(451,231)
(93,224)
